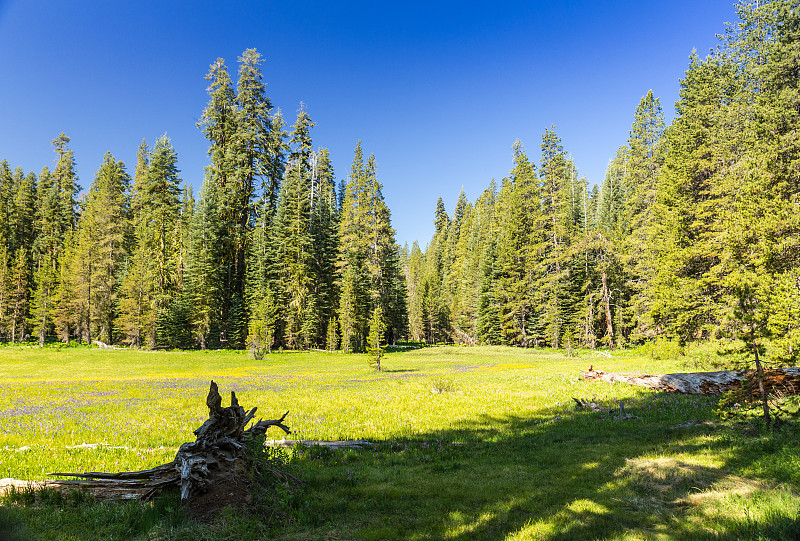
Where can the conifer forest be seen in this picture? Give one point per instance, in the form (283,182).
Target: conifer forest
(694,232)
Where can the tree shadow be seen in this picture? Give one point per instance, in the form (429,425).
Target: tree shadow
(555,477)
(582,476)
(392,350)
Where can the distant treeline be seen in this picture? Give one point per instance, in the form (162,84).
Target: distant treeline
(268,256)
(694,233)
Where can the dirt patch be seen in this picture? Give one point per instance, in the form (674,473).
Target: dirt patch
(231,486)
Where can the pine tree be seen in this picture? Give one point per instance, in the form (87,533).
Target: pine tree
(67,179)
(18,192)
(353,252)
(759,183)
(66,314)
(377,329)
(519,210)
(161,210)
(153,276)
(686,299)
(551,276)
(21,210)
(45,252)
(488,329)
(293,226)
(384,266)
(56,219)
(325,236)
(368,263)
(136,311)
(395,297)
(644,160)
(6,201)
(332,338)
(349,310)
(246,150)
(219,125)
(5,291)
(416,319)
(437,305)
(481,246)
(102,243)
(18,296)
(202,269)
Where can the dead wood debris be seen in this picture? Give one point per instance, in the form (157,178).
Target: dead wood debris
(585,404)
(783,380)
(342,444)
(215,462)
(617,414)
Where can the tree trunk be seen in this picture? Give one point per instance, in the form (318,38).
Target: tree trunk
(760,377)
(607,304)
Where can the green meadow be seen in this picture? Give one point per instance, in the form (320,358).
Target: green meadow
(467,443)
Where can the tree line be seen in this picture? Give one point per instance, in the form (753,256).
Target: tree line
(694,232)
(270,255)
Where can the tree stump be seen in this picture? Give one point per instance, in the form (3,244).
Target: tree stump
(213,471)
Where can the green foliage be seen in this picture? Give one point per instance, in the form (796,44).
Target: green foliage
(173,325)
(727,216)
(377,329)
(102,239)
(569,343)
(246,151)
(369,262)
(686,214)
(273,256)
(292,226)
(662,348)
(332,338)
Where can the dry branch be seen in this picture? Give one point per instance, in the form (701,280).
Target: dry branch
(586,404)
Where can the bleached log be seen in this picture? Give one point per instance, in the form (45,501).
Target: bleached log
(785,380)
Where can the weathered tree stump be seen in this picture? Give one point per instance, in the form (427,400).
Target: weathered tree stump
(212,471)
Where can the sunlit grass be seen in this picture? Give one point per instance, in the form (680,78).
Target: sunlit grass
(469,443)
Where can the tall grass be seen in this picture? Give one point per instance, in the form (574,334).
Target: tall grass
(468,443)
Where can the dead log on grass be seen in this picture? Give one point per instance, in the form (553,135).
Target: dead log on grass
(212,471)
(337,444)
(781,380)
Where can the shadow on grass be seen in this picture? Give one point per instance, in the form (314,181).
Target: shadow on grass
(575,475)
(392,350)
(580,477)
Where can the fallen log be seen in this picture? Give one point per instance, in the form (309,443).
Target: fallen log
(785,381)
(337,444)
(212,471)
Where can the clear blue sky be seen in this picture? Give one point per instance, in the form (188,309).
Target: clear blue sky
(438,91)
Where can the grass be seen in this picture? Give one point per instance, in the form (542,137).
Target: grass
(469,443)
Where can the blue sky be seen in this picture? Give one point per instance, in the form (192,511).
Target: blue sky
(438,91)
